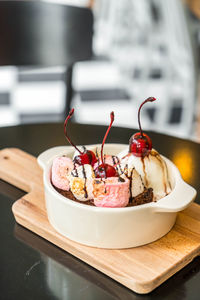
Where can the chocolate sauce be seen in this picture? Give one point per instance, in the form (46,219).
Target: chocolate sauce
(118,162)
(75,170)
(130,185)
(130,178)
(142,180)
(164,167)
(120,179)
(84,149)
(97,155)
(126,170)
(144,170)
(115,160)
(84,176)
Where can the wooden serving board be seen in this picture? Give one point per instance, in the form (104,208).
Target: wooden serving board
(140,269)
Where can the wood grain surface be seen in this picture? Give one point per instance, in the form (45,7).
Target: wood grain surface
(141,269)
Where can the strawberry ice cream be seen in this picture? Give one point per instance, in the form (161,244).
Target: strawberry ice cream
(62,166)
(111,192)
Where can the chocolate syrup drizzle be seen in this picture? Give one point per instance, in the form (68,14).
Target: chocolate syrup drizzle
(84,176)
(115,160)
(75,174)
(164,167)
(131,182)
(144,170)
(84,149)
(118,162)
(97,155)
(75,169)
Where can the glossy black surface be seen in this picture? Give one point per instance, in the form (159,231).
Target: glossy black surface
(44,34)
(32,268)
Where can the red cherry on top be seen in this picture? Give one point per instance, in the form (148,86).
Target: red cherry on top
(140,143)
(85,157)
(105,170)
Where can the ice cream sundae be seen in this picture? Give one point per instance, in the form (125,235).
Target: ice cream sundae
(135,176)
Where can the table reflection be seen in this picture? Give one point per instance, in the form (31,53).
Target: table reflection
(64,283)
(69,278)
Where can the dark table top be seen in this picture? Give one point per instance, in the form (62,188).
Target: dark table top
(32,268)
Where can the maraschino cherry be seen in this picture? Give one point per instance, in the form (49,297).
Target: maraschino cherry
(140,143)
(105,170)
(85,157)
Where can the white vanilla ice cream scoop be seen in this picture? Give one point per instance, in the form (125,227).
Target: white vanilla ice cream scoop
(153,171)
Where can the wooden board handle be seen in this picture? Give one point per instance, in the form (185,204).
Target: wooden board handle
(20,169)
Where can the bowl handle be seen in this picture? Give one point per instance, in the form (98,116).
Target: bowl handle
(183,195)
(47,156)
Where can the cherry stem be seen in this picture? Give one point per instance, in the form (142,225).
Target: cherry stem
(111,121)
(150,99)
(65,130)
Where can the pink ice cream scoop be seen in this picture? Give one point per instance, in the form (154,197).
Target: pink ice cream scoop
(111,160)
(111,192)
(62,166)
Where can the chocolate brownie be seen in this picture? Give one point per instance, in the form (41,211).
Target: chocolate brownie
(145,197)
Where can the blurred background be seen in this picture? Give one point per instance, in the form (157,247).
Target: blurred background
(98,56)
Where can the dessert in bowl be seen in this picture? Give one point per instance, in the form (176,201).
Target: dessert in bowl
(112,196)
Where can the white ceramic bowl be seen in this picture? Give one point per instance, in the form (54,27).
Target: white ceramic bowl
(113,228)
